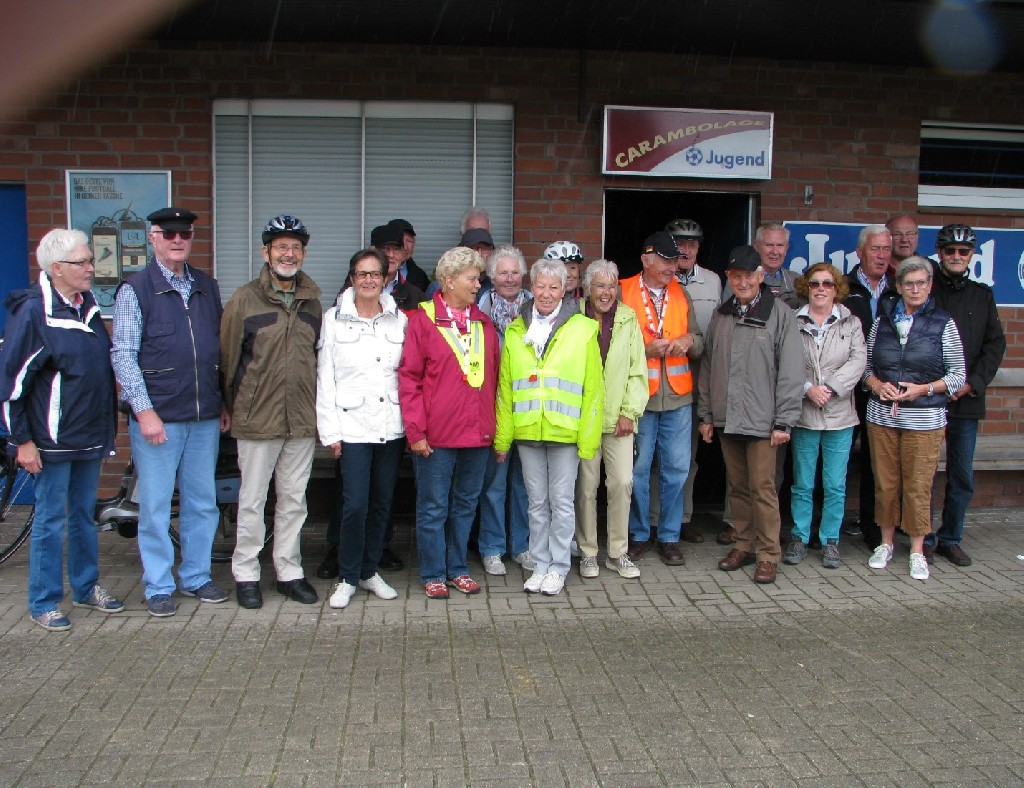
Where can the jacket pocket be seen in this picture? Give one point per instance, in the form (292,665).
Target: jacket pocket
(349,400)
(155,329)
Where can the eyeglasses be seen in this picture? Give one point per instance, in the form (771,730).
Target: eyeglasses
(917,284)
(185,235)
(959,251)
(87,261)
(361,276)
(827,284)
(288,248)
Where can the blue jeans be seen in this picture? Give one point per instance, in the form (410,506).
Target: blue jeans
(834,447)
(448,486)
(498,478)
(961,437)
(669,433)
(369,471)
(65,493)
(190,456)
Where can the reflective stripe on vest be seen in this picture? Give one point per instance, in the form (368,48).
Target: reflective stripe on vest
(675,323)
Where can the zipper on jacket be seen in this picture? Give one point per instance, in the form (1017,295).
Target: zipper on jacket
(195,355)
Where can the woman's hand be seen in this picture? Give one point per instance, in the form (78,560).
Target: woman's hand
(911,391)
(28,457)
(623,427)
(500,456)
(421,447)
(336,448)
(819,395)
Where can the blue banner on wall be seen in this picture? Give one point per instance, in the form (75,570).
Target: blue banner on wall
(998,262)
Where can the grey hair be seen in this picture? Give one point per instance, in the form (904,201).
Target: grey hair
(455,261)
(914,263)
(499,254)
(871,229)
(469,214)
(597,268)
(765,227)
(548,268)
(57,245)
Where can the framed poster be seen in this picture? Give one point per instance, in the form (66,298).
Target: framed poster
(110,207)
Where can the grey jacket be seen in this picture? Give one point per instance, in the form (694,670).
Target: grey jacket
(838,364)
(751,381)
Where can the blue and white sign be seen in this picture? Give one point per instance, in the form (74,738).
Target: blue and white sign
(998,261)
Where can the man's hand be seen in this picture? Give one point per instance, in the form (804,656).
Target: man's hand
(28,457)
(778,438)
(681,345)
(656,348)
(151,426)
(225,419)
(623,427)
(963,391)
(707,432)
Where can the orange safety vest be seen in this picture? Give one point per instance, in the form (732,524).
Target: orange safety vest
(675,322)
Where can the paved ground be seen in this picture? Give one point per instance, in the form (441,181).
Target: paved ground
(690,675)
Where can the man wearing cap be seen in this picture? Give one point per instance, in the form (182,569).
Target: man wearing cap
(388,238)
(268,339)
(409,271)
(166,356)
(973,309)
(903,230)
(751,386)
(672,338)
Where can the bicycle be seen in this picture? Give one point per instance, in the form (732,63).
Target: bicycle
(17,501)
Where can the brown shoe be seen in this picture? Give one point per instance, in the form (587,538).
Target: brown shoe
(727,536)
(670,554)
(637,549)
(765,572)
(735,559)
(691,535)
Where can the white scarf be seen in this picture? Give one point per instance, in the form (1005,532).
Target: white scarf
(540,329)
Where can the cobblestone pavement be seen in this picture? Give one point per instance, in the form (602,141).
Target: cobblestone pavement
(688,676)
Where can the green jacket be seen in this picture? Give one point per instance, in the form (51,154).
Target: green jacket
(625,370)
(557,398)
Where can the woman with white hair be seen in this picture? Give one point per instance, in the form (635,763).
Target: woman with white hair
(446,385)
(550,404)
(60,410)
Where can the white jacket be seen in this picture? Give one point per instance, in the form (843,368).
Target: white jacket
(357,373)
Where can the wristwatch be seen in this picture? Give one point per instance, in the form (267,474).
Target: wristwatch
(931,389)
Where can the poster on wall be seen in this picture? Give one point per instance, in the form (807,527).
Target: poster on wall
(110,207)
(998,260)
(687,143)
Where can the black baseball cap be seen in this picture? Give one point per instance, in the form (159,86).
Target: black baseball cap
(384,234)
(663,244)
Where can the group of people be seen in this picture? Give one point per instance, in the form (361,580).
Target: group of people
(511,398)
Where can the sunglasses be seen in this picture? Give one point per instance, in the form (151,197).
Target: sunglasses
(960,251)
(168,235)
(819,283)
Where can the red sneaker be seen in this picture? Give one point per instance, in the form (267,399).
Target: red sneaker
(436,590)
(465,584)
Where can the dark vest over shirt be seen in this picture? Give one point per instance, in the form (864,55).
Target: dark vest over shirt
(180,350)
(920,360)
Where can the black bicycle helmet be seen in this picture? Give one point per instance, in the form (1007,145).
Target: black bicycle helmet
(685,228)
(285,224)
(955,234)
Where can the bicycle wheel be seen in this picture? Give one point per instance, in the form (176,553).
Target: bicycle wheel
(17,506)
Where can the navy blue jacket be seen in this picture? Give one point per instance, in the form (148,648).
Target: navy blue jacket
(56,382)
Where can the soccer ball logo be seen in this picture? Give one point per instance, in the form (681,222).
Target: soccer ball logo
(694,156)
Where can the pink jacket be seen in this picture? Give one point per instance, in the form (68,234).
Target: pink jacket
(437,403)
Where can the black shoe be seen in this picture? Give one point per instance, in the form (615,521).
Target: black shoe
(390,562)
(954,553)
(249,595)
(300,590)
(929,553)
(328,569)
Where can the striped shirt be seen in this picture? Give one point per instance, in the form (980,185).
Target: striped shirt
(929,418)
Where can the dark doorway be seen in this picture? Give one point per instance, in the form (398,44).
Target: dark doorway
(630,216)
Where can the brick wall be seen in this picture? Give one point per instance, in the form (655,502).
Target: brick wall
(850,131)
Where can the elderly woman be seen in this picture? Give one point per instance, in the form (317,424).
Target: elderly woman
(359,418)
(60,411)
(914,358)
(834,359)
(625,396)
(506,268)
(446,384)
(550,403)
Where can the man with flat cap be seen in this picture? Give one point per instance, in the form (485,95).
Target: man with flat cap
(672,338)
(166,356)
(751,387)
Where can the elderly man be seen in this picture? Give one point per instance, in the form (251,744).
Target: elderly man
(389,239)
(409,271)
(771,240)
(268,339)
(750,392)
(475,218)
(868,281)
(973,309)
(166,356)
(672,337)
(903,230)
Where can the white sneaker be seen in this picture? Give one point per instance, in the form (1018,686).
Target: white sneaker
(533,583)
(525,560)
(377,586)
(918,566)
(623,566)
(589,567)
(341,595)
(553,584)
(881,557)
(493,565)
